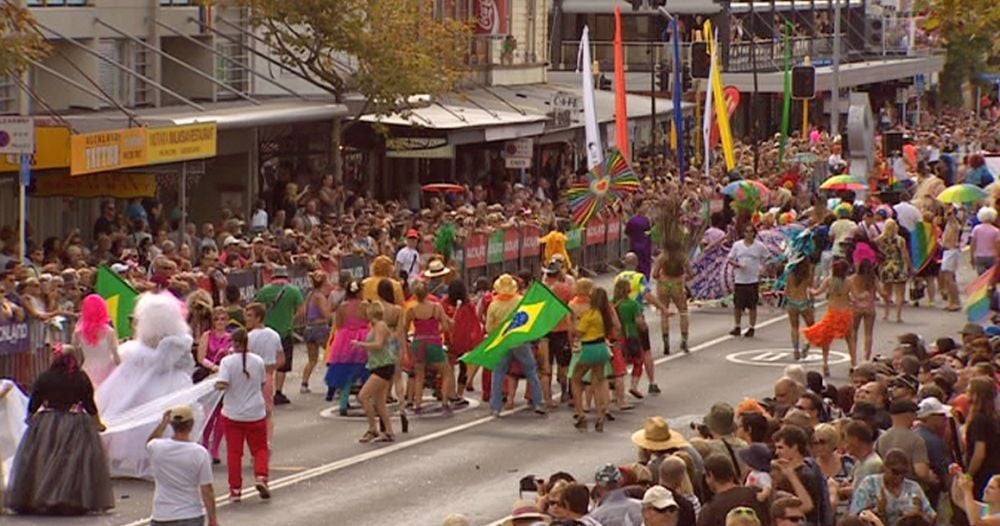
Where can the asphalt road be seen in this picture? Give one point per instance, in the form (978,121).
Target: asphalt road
(471,463)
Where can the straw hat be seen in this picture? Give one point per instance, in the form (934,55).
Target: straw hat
(525,509)
(436,269)
(656,435)
(505,284)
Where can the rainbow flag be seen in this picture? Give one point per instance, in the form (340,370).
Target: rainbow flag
(977,303)
(923,245)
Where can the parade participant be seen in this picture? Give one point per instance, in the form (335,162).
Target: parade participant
(747,258)
(264,342)
(283,302)
(382,346)
(346,362)
(182,473)
(895,268)
(427,350)
(670,273)
(594,328)
(640,293)
(436,279)
(838,322)
(466,332)
(630,316)
(97,339)
(559,350)
(382,269)
(13,407)
(503,304)
(950,242)
(213,345)
(640,243)
(244,413)
(863,287)
(799,303)
(392,314)
(61,467)
(317,331)
(555,245)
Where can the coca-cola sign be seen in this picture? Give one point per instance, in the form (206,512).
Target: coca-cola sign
(491,17)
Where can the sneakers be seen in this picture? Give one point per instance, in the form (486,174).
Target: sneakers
(235,495)
(540,411)
(749,333)
(635,392)
(262,489)
(281,399)
(735,331)
(654,389)
(304,389)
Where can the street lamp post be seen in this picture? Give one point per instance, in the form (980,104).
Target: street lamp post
(835,88)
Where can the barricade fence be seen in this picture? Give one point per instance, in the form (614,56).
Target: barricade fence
(25,346)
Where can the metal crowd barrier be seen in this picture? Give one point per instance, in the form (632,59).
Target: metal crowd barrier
(25,346)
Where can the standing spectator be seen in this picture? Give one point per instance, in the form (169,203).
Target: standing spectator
(801,476)
(901,436)
(182,473)
(720,475)
(982,433)
(747,258)
(105,224)
(283,302)
(614,506)
(241,376)
(859,443)
(408,257)
(787,511)
(318,317)
(985,238)
(932,427)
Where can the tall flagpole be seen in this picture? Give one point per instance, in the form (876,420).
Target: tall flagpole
(595,151)
(621,103)
(678,90)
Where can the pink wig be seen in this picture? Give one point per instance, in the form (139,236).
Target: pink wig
(94,319)
(864,252)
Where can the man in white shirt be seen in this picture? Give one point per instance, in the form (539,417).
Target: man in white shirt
(266,343)
(747,258)
(182,472)
(842,230)
(907,215)
(408,257)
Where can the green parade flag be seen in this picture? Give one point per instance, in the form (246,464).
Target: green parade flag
(120,297)
(786,113)
(535,316)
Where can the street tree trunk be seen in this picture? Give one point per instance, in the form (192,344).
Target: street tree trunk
(336,153)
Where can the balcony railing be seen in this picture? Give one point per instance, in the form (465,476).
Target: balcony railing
(498,50)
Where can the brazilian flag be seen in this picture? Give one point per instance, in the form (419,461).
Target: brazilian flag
(120,297)
(535,316)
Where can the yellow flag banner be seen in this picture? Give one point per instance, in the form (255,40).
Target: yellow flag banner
(721,114)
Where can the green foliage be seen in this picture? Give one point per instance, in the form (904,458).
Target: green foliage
(968,30)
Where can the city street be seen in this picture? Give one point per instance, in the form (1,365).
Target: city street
(472,462)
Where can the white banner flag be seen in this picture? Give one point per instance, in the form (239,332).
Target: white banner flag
(595,151)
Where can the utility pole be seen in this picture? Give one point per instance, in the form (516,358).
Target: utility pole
(652,96)
(835,89)
(754,130)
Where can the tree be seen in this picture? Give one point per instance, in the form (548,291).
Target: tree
(20,40)
(385,51)
(967,28)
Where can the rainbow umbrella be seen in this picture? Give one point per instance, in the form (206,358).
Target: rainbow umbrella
(962,193)
(843,182)
(744,190)
(443,187)
(604,185)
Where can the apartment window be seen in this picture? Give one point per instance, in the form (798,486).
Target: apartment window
(8,95)
(113,80)
(176,2)
(141,91)
(229,71)
(56,3)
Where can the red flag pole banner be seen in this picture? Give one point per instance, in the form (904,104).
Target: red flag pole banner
(621,106)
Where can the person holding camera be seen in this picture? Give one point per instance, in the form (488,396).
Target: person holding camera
(891,495)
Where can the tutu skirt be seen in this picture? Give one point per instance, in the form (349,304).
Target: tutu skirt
(60,467)
(835,324)
(346,362)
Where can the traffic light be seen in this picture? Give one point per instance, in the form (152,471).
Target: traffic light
(803,82)
(657,3)
(700,61)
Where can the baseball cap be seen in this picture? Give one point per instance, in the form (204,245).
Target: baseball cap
(902,407)
(412,234)
(607,475)
(660,498)
(230,240)
(553,267)
(972,329)
(932,406)
(181,413)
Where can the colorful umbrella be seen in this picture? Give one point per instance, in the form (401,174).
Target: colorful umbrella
(962,193)
(746,190)
(443,188)
(843,182)
(604,185)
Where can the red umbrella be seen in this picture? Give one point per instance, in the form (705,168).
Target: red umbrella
(443,188)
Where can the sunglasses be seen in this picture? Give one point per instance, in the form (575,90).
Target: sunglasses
(798,519)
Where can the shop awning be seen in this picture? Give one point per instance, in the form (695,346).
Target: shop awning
(228,115)
(450,113)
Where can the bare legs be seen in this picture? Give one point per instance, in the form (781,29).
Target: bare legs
(599,384)
(312,353)
(372,396)
(899,291)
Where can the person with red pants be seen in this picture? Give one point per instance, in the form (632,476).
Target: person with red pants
(244,415)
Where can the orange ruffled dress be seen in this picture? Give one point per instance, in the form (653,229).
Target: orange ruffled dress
(834,325)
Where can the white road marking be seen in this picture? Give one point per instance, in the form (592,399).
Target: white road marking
(338,465)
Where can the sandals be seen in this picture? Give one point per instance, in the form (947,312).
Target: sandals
(580,422)
(599,425)
(368,437)
(385,438)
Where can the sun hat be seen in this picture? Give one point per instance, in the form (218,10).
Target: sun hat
(436,269)
(525,509)
(656,435)
(659,498)
(932,406)
(720,419)
(505,284)
(181,413)
(279,271)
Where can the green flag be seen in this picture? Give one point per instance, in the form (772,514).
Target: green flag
(120,297)
(786,112)
(538,313)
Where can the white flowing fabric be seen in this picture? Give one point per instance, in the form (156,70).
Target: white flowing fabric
(13,412)
(134,397)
